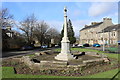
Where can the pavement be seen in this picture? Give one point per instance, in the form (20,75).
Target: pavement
(96,48)
(106,49)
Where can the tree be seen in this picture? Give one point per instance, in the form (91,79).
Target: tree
(5,21)
(27,26)
(40,32)
(5,18)
(6,24)
(70,32)
(54,34)
(62,32)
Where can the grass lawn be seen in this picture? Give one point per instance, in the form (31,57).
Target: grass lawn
(8,72)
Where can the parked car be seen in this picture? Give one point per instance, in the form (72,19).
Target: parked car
(80,45)
(77,45)
(96,45)
(45,46)
(56,46)
(26,48)
(86,45)
(74,45)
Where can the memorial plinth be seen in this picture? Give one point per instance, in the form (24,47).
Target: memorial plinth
(65,54)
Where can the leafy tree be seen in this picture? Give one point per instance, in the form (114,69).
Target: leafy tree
(70,32)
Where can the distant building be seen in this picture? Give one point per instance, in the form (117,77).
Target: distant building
(11,39)
(99,31)
(110,34)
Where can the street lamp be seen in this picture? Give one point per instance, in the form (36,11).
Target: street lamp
(103,41)
(109,38)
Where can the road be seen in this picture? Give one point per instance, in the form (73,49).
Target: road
(9,54)
(21,53)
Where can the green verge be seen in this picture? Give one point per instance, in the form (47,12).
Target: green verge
(91,50)
(8,72)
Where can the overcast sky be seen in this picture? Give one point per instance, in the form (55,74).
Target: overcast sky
(80,13)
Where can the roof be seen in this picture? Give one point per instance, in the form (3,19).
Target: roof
(92,26)
(4,34)
(111,28)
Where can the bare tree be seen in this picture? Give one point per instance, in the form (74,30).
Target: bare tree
(27,26)
(54,34)
(40,32)
(5,22)
(5,18)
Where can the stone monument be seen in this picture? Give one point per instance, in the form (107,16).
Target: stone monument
(65,54)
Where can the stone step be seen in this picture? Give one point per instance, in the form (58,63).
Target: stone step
(54,62)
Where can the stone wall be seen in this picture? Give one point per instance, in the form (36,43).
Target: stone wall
(62,65)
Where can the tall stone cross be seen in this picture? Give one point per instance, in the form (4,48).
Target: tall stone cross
(65,54)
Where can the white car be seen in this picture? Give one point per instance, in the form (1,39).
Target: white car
(80,45)
(44,46)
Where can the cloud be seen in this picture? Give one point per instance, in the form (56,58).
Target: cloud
(76,13)
(55,24)
(116,14)
(78,25)
(98,9)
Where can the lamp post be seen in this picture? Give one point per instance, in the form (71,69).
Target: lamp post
(103,41)
(119,42)
(109,38)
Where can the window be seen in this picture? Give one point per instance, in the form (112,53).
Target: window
(114,33)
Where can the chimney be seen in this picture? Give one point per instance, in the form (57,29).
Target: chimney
(93,23)
(86,26)
(107,20)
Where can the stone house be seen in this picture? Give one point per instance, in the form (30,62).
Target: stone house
(118,33)
(11,39)
(104,32)
(109,34)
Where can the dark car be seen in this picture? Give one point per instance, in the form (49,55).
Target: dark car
(86,45)
(96,45)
